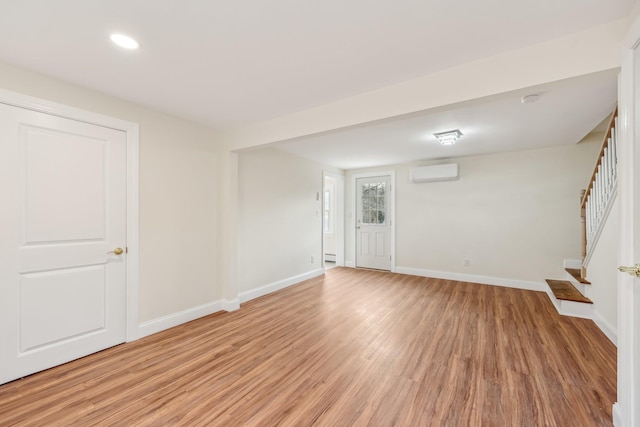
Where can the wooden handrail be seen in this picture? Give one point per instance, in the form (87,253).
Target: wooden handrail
(605,144)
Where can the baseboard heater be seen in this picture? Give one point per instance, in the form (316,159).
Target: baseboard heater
(330,257)
(434,173)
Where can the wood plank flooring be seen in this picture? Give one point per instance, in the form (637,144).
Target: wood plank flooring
(352,348)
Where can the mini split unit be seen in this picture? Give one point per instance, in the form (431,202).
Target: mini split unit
(446,172)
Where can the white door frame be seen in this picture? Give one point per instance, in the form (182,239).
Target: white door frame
(132,131)
(339,216)
(626,411)
(392,212)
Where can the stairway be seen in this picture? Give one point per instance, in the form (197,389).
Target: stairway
(568,296)
(577,274)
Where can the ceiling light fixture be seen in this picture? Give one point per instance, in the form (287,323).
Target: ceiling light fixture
(449,137)
(124,41)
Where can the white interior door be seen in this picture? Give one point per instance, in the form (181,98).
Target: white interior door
(62,216)
(373,223)
(627,408)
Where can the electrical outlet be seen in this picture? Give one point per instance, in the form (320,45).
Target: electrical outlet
(466,262)
(313,259)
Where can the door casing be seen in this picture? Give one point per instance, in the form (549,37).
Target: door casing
(132,131)
(339,216)
(391,212)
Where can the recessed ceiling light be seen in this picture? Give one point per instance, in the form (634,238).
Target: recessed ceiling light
(449,137)
(124,41)
(528,99)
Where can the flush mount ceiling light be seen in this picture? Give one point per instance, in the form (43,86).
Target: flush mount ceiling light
(124,41)
(528,99)
(449,137)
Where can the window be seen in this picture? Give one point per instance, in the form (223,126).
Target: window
(328,223)
(373,203)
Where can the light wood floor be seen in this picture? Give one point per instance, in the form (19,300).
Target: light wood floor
(356,347)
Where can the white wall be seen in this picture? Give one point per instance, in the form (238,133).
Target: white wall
(178,191)
(513,215)
(602,269)
(279,217)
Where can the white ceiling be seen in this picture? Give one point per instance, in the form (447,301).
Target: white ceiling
(565,112)
(231,63)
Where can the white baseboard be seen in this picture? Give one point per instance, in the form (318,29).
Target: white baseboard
(606,327)
(230,305)
(617,415)
(485,280)
(156,325)
(276,286)
(350,264)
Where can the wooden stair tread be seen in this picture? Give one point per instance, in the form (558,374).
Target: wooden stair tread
(577,274)
(564,290)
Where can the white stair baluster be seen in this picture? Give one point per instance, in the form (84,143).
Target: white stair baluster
(605,174)
(601,189)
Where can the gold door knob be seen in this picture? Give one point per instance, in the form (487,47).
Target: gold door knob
(117,251)
(634,271)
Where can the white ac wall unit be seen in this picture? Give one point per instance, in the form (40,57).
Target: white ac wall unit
(446,172)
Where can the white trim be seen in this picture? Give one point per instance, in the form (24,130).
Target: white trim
(617,415)
(172,320)
(605,216)
(280,284)
(230,305)
(392,210)
(350,264)
(36,104)
(338,228)
(484,280)
(132,131)
(605,327)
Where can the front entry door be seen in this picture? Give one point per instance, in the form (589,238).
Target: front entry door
(62,224)
(373,230)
